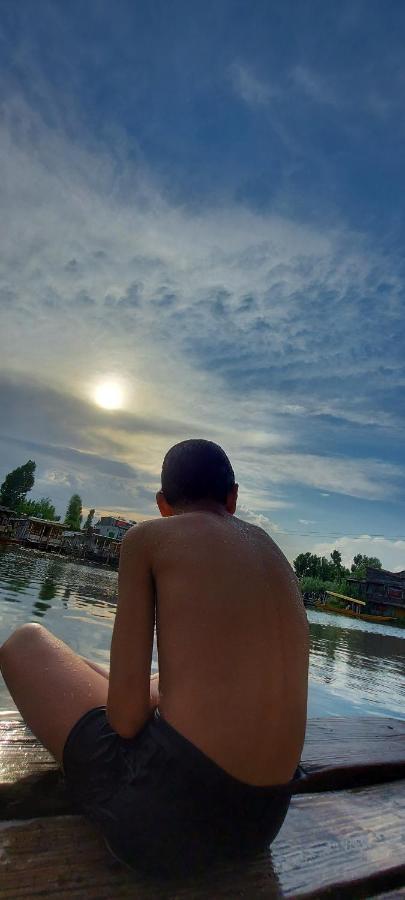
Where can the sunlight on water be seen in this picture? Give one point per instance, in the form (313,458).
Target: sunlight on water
(356,668)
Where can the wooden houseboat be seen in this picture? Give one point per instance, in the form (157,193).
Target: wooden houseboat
(75,543)
(91,546)
(383,592)
(40,533)
(7,525)
(104,549)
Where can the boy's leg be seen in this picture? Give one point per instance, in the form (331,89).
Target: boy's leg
(50,684)
(96,668)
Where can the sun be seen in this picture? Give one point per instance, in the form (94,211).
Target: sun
(109,395)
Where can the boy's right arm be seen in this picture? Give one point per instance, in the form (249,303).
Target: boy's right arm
(128,705)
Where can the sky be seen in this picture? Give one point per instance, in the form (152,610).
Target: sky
(202,203)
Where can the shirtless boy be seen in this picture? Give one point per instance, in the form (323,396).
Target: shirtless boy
(199,760)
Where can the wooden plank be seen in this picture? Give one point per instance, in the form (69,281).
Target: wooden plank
(338,753)
(30,781)
(343,752)
(390,895)
(343,841)
(65,856)
(338,844)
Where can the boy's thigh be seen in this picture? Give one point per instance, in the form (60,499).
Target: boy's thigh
(50,684)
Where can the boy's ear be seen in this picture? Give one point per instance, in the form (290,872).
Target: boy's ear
(232,499)
(164,507)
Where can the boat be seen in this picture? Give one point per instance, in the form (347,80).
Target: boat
(354,611)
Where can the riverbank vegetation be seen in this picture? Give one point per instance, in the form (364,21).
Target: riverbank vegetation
(317,574)
(13,495)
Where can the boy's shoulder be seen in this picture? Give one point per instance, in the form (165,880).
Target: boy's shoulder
(142,531)
(198,521)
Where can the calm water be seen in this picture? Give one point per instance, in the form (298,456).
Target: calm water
(357,668)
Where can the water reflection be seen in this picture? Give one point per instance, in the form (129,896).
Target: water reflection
(39,608)
(356,668)
(365,667)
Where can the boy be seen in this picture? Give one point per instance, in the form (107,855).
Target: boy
(198,761)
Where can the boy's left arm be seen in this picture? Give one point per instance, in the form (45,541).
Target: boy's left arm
(128,705)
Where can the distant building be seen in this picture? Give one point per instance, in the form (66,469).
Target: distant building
(111,527)
(383,591)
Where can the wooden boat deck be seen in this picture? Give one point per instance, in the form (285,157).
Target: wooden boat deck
(344,835)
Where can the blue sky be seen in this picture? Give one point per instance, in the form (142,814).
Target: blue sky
(205,203)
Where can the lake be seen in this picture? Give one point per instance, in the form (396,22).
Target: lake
(356,668)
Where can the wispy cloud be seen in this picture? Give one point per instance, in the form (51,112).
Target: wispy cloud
(250,88)
(314,86)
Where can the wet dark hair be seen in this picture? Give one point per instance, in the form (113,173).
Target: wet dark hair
(196,470)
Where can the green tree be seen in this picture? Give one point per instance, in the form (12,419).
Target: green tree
(309,565)
(73,518)
(306,565)
(361,563)
(336,558)
(89,521)
(43,509)
(339,571)
(17,484)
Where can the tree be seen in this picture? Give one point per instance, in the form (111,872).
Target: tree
(17,484)
(361,563)
(89,521)
(339,571)
(73,518)
(309,565)
(43,509)
(306,565)
(336,558)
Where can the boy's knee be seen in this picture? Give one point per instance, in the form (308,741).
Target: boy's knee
(22,636)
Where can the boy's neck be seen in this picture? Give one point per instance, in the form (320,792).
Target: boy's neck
(210,506)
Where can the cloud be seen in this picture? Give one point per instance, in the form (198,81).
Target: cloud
(75,458)
(248,515)
(370,479)
(314,86)
(251,89)
(260,299)
(223,322)
(391,552)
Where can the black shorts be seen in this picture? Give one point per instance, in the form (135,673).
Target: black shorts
(162,805)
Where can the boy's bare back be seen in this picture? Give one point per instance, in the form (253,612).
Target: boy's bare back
(232,643)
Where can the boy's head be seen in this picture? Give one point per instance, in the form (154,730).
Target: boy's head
(194,473)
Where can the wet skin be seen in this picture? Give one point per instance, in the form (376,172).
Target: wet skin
(232,635)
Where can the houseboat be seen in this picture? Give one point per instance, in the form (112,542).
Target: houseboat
(383,592)
(7,525)
(40,533)
(91,546)
(104,549)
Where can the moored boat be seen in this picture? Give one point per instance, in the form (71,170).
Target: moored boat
(355,609)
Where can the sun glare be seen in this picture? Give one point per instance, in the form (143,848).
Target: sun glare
(109,395)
